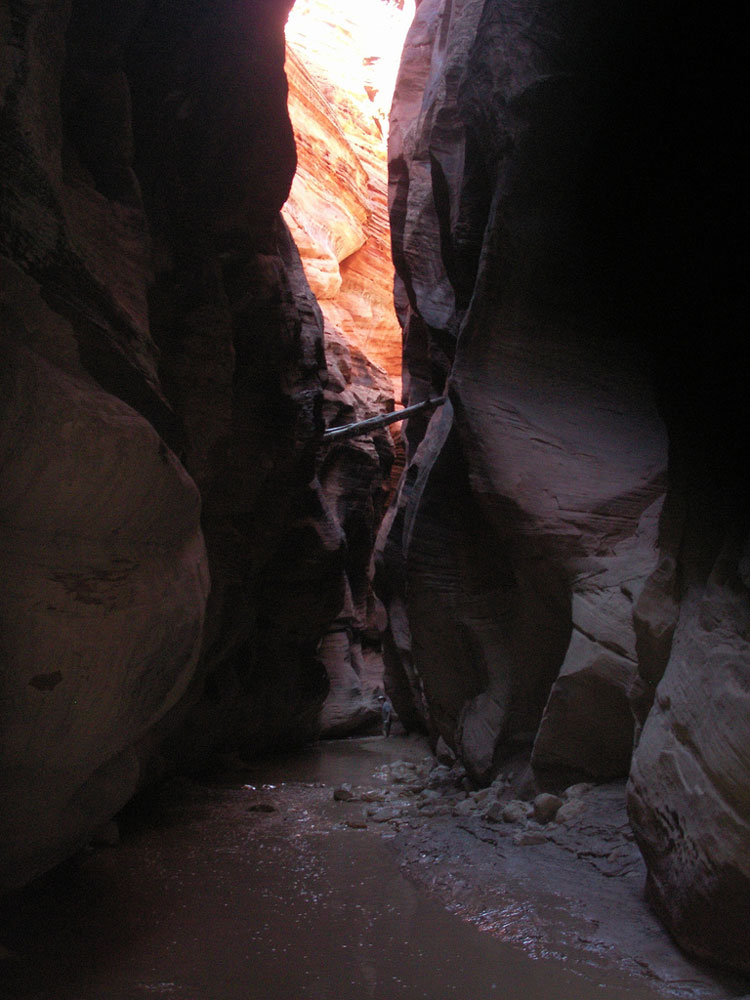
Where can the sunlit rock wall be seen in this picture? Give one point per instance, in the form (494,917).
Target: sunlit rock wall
(170,557)
(341,62)
(570,535)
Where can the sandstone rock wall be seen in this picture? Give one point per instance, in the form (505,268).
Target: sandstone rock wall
(553,441)
(341,63)
(170,556)
(569,536)
(688,786)
(355,480)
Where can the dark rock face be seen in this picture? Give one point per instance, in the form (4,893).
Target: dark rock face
(570,535)
(354,478)
(537,493)
(170,558)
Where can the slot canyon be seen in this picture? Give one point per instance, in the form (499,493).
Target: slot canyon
(230,227)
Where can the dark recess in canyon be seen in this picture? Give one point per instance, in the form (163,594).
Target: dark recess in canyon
(566,565)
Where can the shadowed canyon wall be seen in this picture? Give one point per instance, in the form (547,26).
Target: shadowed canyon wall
(566,565)
(175,544)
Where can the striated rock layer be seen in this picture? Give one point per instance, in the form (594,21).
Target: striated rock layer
(570,532)
(341,63)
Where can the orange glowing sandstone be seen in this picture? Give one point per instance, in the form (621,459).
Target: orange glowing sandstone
(341,66)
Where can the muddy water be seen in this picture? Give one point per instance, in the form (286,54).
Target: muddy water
(254,890)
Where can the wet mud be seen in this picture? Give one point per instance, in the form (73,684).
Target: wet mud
(260,884)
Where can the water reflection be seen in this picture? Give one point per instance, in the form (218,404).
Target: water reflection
(211,899)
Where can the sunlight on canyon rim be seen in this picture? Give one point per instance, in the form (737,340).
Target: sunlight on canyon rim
(342,61)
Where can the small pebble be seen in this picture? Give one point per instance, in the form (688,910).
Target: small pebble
(570,811)
(515,811)
(464,808)
(546,807)
(529,838)
(494,812)
(384,815)
(577,791)
(343,793)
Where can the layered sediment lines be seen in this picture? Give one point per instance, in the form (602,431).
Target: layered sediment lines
(341,64)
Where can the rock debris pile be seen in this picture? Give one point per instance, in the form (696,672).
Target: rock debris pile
(427,789)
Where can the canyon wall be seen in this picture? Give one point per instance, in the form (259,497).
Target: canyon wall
(174,542)
(565,567)
(341,63)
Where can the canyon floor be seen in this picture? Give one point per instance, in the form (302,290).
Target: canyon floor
(356,868)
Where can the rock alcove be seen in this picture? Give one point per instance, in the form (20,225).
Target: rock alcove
(564,567)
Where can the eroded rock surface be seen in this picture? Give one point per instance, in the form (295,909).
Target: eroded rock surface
(531,523)
(688,795)
(569,539)
(342,64)
(355,480)
(163,398)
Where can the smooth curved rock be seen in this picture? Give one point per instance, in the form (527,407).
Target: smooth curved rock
(688,794)
(562,250)
(534,527)
(102,595)
(164,384)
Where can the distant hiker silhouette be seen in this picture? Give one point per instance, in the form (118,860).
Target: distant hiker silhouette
(386,714)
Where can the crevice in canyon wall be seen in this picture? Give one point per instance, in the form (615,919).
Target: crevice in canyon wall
(567,270)
(341,64)
(562,574)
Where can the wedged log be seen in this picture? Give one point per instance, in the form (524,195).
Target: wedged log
(361,427)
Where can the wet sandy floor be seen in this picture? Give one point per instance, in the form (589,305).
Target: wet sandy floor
(253,889)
